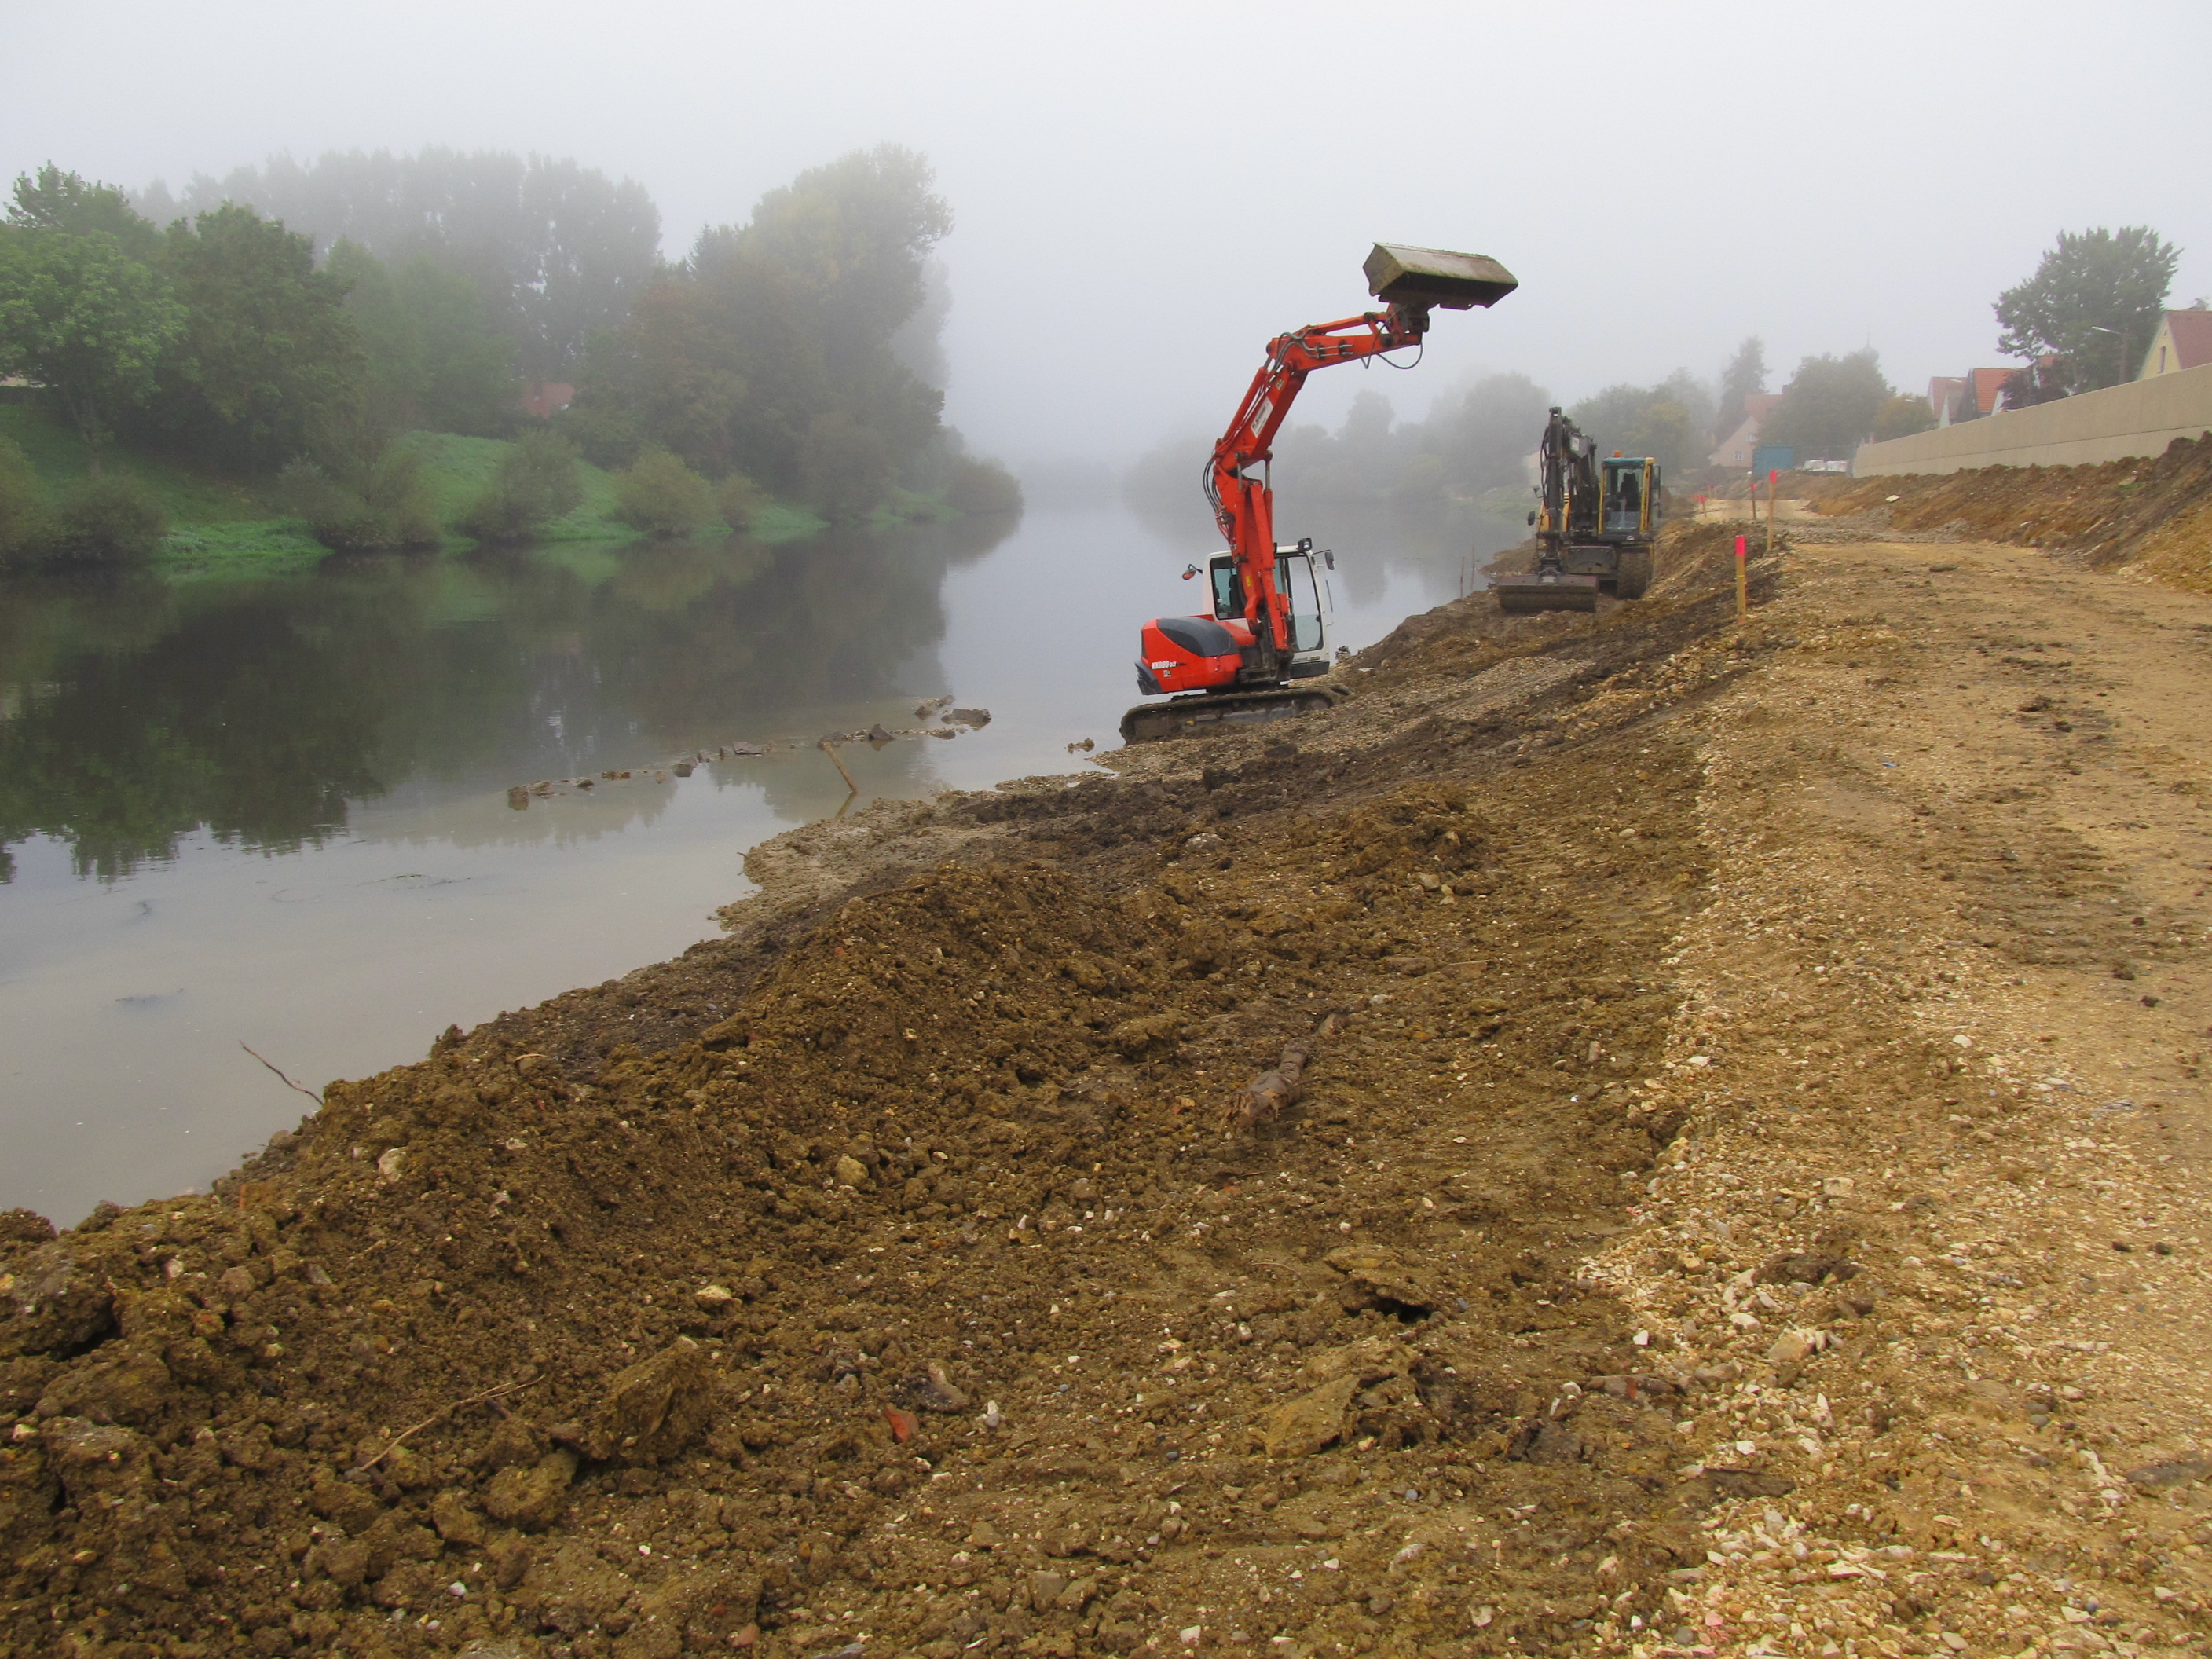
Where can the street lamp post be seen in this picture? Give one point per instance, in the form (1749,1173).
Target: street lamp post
(2119,338)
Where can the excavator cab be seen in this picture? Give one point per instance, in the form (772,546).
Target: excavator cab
(1298,582)
(1228,586)
(1631,485)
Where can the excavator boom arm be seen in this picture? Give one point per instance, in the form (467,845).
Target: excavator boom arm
(1244,506)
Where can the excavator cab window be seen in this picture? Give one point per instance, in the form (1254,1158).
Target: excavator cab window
(1294,580)
(1624,497)
(1228,587)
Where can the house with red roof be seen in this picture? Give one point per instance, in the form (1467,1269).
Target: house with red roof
(2184,340)
(546,399)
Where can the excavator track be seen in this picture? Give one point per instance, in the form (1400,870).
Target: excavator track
(1148,722)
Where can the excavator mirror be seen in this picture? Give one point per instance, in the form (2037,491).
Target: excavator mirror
(1436,276)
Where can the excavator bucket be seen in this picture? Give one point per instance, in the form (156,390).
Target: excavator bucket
(1525,598)
(1436,276)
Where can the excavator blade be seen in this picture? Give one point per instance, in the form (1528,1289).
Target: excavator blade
(1526,598)
(1182,717)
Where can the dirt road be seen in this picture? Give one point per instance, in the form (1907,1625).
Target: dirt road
(1944,1016)
(1742,1196)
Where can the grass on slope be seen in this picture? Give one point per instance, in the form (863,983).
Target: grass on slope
(224,524)
(189,495)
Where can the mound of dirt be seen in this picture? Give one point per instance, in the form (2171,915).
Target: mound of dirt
(2152,514)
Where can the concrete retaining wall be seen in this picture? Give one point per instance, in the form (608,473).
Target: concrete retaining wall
(2138,418)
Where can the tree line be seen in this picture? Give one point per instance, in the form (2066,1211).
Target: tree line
(783,357)
(792,351)
(553,250)
(2084,320)
(1482,439)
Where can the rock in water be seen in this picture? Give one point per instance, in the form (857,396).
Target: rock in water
(974,718)
(654,1409)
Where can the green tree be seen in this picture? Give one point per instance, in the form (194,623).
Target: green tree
(1830,406)
(2094,301)
(1484,440)
(662,497)
(53,200)
(109,517)
(434,355)
(980,486)
(1902,415)
(740,501)
(557,251)
(81,312)
(1744,379)
(1629,418)
(1668,432)
(536,482)
(26,518)
(779,348)
(267,344)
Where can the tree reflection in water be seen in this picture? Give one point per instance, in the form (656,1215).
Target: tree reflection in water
(138,711)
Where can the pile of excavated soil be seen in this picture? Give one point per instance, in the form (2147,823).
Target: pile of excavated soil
(1623,1254)
(2151,513)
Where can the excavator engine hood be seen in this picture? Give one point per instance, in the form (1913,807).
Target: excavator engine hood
(1191,653)
(1436,276)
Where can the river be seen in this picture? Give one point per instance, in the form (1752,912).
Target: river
(273,811)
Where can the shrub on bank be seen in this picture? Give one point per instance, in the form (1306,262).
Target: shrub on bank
(973,486)
(109,516)
(385,504)
(740,498)
(662,497)
(27,517)
(537,483)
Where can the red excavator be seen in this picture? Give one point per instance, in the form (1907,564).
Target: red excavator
(1265,632)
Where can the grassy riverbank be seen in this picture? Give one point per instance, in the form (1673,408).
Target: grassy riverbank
(223,524)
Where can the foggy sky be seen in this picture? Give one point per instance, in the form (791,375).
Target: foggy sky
(1145,192)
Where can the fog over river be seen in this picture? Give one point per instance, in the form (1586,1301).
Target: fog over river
(273,811)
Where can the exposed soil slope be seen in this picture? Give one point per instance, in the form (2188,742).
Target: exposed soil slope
(1647,1263)
(2152,514)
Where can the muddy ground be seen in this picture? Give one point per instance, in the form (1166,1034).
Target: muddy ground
(1743,1194)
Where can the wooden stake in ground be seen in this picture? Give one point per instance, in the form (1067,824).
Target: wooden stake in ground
(840,765)
(1742,586)
(1773,473)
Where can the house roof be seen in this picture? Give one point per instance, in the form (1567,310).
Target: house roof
(1987,385)
(543,399)
(1944,389)
(2192,333)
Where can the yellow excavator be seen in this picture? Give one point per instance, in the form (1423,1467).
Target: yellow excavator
(1595,521)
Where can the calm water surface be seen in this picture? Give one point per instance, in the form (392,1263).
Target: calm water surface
(273,811)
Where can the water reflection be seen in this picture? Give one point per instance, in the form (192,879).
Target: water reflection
(140,712)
